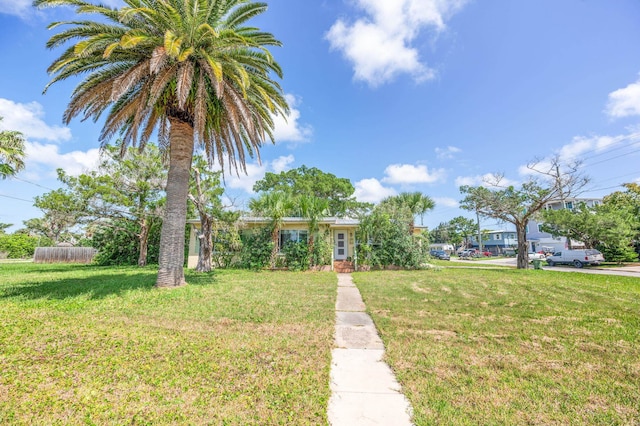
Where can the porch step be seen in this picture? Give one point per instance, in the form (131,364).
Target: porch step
(343,267)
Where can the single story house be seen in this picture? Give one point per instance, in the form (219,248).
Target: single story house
(341,233)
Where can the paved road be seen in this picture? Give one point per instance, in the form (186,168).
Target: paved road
(625,271)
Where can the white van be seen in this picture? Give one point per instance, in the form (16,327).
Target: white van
(578,258)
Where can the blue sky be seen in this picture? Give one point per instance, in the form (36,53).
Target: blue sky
(403,95)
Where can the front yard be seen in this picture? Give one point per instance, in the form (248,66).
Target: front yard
(92,345)
(473,346)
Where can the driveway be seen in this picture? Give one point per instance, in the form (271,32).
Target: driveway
(623,271)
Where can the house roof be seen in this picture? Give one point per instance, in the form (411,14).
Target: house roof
(331,221)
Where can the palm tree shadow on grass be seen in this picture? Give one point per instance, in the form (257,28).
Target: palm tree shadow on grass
(96,286)
(97,283)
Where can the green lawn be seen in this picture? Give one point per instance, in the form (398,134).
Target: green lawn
(91,345)
(473,346)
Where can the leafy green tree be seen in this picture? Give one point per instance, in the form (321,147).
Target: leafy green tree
(406,206)
(314,182)
(205,193)
(463,229)
(275,205)
(128,185)
(611,227)
(18,245)
(517,205)
(4,226)
(441,234)
(190,69)
(61,210)
(116,243)
(11,152)
(384,242)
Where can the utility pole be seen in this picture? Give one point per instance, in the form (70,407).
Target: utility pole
(479,231)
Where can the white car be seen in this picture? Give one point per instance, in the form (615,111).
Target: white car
(536,256)
(577,258)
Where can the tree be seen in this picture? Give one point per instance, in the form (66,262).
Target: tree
(4,226)
(61,213)
(463,228)
(128,185)
(189,69)
(313,208)
(612,227)
(551,181)
(314,182)
(11,152)
(275,205)
(205,195)
(407,205)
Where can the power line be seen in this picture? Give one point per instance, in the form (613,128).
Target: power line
(32,183)
(16,198)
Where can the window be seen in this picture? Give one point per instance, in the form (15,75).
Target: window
(539,227)
(497,237)
(568,205)
(292,235)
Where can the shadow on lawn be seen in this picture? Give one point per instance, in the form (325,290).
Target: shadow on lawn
(51,282)
(95,286)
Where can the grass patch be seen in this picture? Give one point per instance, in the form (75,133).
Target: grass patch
(511,347)
(92,345)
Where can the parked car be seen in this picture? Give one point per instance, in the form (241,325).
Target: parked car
(468,253)
(487,253)
(440,254)
(536,256)
(577,258)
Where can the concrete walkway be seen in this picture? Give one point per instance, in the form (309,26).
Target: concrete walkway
(364,390)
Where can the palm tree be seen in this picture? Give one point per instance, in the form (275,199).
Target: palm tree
(408,205)
(313,208)
(275,205)
(189,69)
(11,153)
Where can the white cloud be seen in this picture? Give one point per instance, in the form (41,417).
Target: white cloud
(624,102)
(281,164)
(408,174)
(487,180)
(379,43)
(447,153)
(255,172)
(445,202)
(49,156)
(289,128)
(28,119)
(21,8)
(372,191)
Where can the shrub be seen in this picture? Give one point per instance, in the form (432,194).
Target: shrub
(256,249)
(118,243)
(296,255)
(18,246)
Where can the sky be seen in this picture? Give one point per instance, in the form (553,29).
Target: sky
(395,95)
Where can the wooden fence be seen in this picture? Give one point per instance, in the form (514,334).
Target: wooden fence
(64,254)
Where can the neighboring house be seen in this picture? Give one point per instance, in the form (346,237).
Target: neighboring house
(442,246)
(544,241)
(497,242)
(341,235)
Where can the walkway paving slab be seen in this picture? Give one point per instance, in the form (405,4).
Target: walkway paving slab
(364,390)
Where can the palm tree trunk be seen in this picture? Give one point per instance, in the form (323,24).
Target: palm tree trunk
(171,259)
(274,250)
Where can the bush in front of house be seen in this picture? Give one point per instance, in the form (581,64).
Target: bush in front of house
(256,249)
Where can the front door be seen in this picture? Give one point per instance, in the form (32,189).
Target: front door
(340,246)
